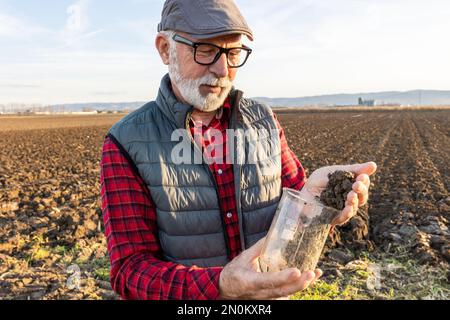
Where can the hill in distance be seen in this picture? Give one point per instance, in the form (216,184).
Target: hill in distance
(414,97)
(405,98)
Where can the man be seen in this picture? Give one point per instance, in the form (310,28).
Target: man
(194,230)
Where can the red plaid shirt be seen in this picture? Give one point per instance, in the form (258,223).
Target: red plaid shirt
(137,268)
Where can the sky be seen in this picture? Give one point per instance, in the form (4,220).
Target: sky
(70,51)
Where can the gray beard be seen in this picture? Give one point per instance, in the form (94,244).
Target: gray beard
(190,88)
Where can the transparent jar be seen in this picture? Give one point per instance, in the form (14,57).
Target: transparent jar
(298,233)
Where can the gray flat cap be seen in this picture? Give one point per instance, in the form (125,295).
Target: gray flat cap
(204,18)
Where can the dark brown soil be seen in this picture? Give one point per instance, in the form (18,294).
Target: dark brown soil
(338,186)
(50,216)
(304,250)
(50,213)
(355,234)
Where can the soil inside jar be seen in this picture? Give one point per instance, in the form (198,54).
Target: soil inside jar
(304,250)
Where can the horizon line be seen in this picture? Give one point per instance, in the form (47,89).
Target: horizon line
(254,97)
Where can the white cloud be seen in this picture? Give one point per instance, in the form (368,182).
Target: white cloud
(9,26)
(73,75)
(144,29)
(15,28)
(318,47)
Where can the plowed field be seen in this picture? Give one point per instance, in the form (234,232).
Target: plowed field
(51,230)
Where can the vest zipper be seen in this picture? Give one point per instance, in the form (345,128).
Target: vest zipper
(237,173)
(196,147)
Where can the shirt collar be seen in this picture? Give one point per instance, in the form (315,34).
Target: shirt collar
(225,110)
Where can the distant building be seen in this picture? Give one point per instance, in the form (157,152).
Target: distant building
(366,103)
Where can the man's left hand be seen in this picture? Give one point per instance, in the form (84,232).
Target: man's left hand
(355,198)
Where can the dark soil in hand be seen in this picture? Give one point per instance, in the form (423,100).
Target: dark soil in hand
(338,186)
(355,234)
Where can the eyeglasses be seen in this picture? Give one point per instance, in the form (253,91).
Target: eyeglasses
(207,53)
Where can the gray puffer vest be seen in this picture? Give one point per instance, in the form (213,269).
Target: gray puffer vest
(190,224)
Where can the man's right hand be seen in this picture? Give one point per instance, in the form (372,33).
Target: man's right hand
(242,278)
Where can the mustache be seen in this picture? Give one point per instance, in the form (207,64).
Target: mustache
(216,82)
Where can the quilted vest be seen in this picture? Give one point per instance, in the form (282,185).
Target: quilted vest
(190,223)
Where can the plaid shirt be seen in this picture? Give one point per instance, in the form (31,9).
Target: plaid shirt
(137,268)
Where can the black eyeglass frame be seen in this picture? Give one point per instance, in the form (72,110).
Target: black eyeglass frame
(195,45)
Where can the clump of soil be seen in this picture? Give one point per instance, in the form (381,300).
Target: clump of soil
(338,186)
(355,234)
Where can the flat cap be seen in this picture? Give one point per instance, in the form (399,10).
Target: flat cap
(204,18)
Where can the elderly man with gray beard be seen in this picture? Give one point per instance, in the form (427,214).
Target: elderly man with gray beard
(189,229)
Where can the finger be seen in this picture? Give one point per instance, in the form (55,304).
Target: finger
(272,280)
(346,215)
(359,187)
(364,178)
(362,198)
(352,199)
(368,168)
(306,280)
(287,289)
(254,251)
(362,192)
(318,273)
